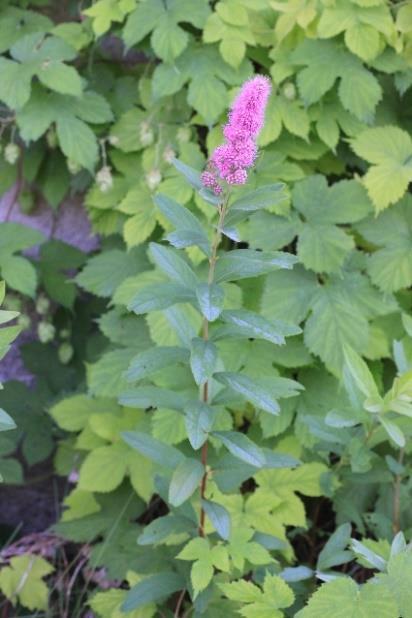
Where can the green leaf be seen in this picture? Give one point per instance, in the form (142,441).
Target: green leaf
(298,290)
(189,230)
(260,395)
(375,561)
(185,480)
(173,265)
(151,396)
(245,263)
(333,553)
(16,237)
(160,296)
(398,582)
(153,588)
(19,274)
(241,447)
(103,469)
(161,528)
(15,83)
(361,374)
(219,517)
(22,580)
(150,361)
(61,78)
(341,598)
(252,325)
(159,452)
(6,422)
(211,299)
(203,358)
(103,273)
(199,419)
(263,197)
(77,141)
(393,431)
(389,150)
(191,175)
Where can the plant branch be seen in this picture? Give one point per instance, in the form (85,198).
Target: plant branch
(397,497)
(205,396)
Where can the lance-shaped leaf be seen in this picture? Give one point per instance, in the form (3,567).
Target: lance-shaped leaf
(203,358)
(210,299)
(261,396)
(153,588)
(160,296)
(159,452)
(269,195)
(334,551)
(242,447)
(191,175)
(185,480)
(241,323)
(173,265)
(189,230)
(152,397)
(162,527)
(245,263)
(220,518)
(199,418)
(394,432)
(361,374)
(279,460)
(6,422)
(152,360)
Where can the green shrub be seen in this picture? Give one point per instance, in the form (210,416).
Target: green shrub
(307,470)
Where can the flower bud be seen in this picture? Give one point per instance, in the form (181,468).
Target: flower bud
(104,179)
(289,91)
(153,178)
(24,321)
(65,353)
(73,166)
(11,153)
(168,154)
(64,333)
(45,332)
(113,140)
(146,134)
(42,305)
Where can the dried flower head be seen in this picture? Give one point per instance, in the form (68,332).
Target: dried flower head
(230,160)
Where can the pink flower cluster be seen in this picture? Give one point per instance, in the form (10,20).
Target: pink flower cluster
(230,161)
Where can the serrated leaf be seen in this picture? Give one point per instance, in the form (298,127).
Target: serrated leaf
(152,360)
(245,263)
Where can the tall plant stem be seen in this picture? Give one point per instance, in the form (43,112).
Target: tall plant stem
(205,329)
(396,525)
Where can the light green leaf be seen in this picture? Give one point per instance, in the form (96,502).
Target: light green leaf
(203,358)
(199,419)
(210,298)
(241,447)
(103,469)
(260,395)
(19,274)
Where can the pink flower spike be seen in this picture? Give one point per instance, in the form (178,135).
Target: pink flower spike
(231,159)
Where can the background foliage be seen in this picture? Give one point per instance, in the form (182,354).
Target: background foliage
(97,100)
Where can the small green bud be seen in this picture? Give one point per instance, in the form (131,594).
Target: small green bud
(153,178)
(51,138)
(45,332)
(64,333)
(113,140)
(104,179)
(73,166)
(24,321)
(146,134)
(289,91)
(42,305)
(11,153)
(65,353)
(168,154)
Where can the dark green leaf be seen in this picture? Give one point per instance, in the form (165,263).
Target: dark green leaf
(203,358)
(153,588)
(211,299)
(185,480)
(163,454)
(173,265)
(152,397)
(241,323)
(160,296)
(219,517)
(152,360)
(191,175)
(199,418)
(245,263)
(242,447)
(269,195)
(162,527)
